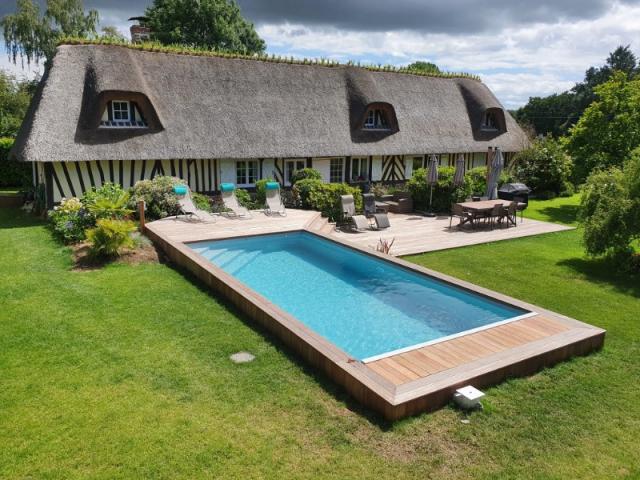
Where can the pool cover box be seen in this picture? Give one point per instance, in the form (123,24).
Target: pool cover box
(420,377)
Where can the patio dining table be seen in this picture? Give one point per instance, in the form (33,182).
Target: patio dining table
(483,207)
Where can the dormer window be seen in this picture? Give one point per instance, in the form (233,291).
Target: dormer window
(122,114)
(120,110)
(376,119)
(489,121)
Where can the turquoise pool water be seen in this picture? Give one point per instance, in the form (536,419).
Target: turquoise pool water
(364,305)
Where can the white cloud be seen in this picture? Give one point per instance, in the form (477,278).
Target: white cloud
(517,63)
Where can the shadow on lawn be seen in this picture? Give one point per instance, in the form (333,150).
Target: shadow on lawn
(605,271)
(17,218)
(319,377)
(567,214)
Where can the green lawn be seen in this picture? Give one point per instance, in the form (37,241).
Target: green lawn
(124,373)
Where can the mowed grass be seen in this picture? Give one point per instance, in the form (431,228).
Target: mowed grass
(124,373)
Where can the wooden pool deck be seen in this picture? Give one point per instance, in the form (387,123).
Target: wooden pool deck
(404,383)
(412,234)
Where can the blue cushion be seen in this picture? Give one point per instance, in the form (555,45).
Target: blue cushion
(272,186)
(227,187)
(180,189)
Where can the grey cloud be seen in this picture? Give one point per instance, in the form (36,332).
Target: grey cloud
(449,16)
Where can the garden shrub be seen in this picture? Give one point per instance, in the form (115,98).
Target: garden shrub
(305,174)
(12,172)
(108,201)
(201,201)
(325,197)
(261,191)
(301,191)
(69,220)
(244,199)
(610,209)
(158,195)
(544,167)
(110,236)
(444,193)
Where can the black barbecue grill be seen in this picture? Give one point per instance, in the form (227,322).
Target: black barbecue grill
(515,191)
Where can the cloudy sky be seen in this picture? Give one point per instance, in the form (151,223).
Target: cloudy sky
(519,48)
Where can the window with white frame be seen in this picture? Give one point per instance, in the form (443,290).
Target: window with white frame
(359,169)
(292,166)
(336,170)
(376,120)
(246,172)
(120,111)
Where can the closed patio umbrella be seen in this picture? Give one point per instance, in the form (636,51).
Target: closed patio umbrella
(432,179)
(458,177)
(495,169)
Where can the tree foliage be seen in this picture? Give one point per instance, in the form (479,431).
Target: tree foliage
(32,36)
(609,128)
(544,167)
(557,113)
(211,24)
(15,96)
(110,32)
(610,208)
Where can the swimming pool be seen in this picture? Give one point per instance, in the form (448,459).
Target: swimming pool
(366,306)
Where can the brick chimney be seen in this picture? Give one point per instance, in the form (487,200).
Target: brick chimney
(140,32)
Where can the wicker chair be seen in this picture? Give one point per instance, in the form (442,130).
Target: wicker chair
(458,211)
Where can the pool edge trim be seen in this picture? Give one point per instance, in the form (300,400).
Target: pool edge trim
(364,384)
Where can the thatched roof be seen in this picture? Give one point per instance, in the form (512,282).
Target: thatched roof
(208,107)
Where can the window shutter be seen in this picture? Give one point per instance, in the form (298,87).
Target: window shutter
(132,115)
(110,111)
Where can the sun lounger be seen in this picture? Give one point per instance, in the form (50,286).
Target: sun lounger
(274,204)
(230,201)
(358,223)
(370,211)
(187,208)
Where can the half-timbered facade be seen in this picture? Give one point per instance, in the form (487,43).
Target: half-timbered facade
(113,114)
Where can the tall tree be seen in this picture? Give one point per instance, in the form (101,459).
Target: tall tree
(15,96)
(557,113)
(112,33)
(32,36)
(210,24)
(610,127)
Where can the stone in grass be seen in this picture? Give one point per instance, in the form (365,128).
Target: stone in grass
(242,357)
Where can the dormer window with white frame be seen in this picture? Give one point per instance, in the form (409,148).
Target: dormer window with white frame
(120,111)
(376,120)
(122,114)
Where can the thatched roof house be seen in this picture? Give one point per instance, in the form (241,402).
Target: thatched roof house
(135,113)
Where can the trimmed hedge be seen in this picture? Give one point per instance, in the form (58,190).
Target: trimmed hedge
(13,173)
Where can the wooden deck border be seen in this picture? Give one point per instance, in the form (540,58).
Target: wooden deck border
(366,385)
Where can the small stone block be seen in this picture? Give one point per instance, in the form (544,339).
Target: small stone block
(242,357)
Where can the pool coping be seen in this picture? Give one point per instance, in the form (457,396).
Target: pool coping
(363,383)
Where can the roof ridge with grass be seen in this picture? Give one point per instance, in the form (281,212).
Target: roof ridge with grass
(201,52)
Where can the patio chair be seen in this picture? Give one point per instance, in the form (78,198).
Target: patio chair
(274,204)
(358,223)
(230,201)
(187,208)
(371,211)
(458,211)
(512,214)
(498,212)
